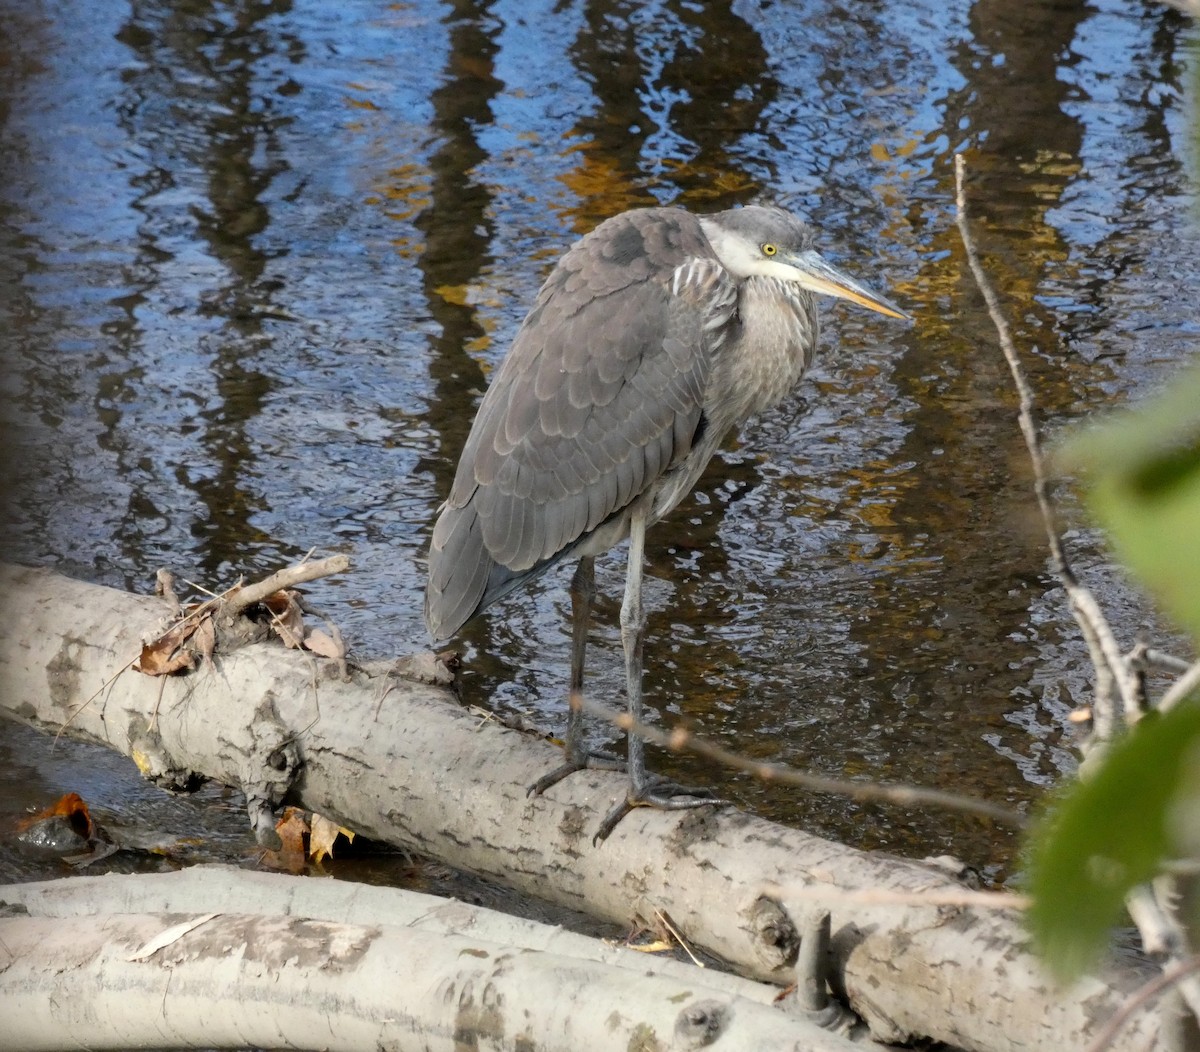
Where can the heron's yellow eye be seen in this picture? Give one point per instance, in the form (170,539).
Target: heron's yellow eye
(769,249)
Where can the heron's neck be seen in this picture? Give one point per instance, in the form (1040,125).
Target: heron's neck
(776,341)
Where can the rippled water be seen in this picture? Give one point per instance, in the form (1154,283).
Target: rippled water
(260,259)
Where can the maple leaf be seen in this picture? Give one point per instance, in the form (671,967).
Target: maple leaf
(324,832)
(292,828)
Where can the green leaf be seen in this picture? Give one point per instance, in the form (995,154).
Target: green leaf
(1112,831)
(1143,470)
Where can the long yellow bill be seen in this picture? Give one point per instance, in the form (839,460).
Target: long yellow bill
(818,275)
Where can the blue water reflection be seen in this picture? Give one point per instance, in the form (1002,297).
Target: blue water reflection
(261,259)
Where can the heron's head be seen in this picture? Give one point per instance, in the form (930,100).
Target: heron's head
(771,242)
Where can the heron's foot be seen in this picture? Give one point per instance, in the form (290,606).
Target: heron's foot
(661,793)
(582,761)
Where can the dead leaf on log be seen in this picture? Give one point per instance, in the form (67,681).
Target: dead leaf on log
(166,654)
(324,645)
(287,619)
(205,639)
(428,667)
(665,935)
(292,828)
(324,832)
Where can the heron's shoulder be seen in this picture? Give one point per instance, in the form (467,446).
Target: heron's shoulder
(641,244)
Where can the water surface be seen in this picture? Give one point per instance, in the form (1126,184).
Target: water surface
(260,259)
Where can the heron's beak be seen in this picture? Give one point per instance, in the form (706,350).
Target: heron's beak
(818,275)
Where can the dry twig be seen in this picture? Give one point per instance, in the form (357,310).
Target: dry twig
(288,577)
(680,738)
(1111,667)
(1147,904)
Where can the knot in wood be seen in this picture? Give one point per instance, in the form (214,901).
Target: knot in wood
(774,936)
(700,1024)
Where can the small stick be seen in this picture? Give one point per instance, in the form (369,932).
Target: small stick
(1160,659)
(681,738)
(666,923)
(285,578)
(1087,611)
(1181,688)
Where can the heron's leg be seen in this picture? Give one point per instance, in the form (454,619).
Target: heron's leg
(645,790)
(583,592)
(633,638)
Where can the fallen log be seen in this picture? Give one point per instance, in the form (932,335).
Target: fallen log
(213,888)
(164,981)
(401,762)
(741,1011)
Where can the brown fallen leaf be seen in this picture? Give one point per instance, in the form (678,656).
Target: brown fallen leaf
(324,645)
(287,619)
(292,828)
(428,667)
(659,946)
(205,640)
(166,653)
(324,832)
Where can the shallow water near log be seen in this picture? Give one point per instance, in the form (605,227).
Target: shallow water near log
(260,261)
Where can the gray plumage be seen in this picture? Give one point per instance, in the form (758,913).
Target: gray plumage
(647,344)
(653,337)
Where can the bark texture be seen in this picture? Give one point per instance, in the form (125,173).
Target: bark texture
(213,888)
(151,980)
(402,762)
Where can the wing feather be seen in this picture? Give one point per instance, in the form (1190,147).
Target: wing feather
(599,396)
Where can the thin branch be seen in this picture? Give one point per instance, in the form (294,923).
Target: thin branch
(285,578)
(1083,604)
(680,739)
(1181,688)
(1170,977)
(1168,662)
(988,900)
(1156,923)
(84,704)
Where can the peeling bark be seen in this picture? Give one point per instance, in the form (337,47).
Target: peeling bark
(401,762)
(212,888)
(209,889)
(150,980)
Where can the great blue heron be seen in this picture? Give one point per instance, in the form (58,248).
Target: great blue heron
(654,336)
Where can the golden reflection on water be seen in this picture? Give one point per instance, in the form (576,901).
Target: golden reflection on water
(265,278)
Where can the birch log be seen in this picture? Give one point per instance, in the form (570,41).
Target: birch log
(401,762)
(230,980)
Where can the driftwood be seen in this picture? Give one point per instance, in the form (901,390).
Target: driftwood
(306,984)
(329,964)
(400,761)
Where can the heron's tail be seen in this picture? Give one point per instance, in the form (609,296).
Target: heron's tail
(464,579)
(459,567)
